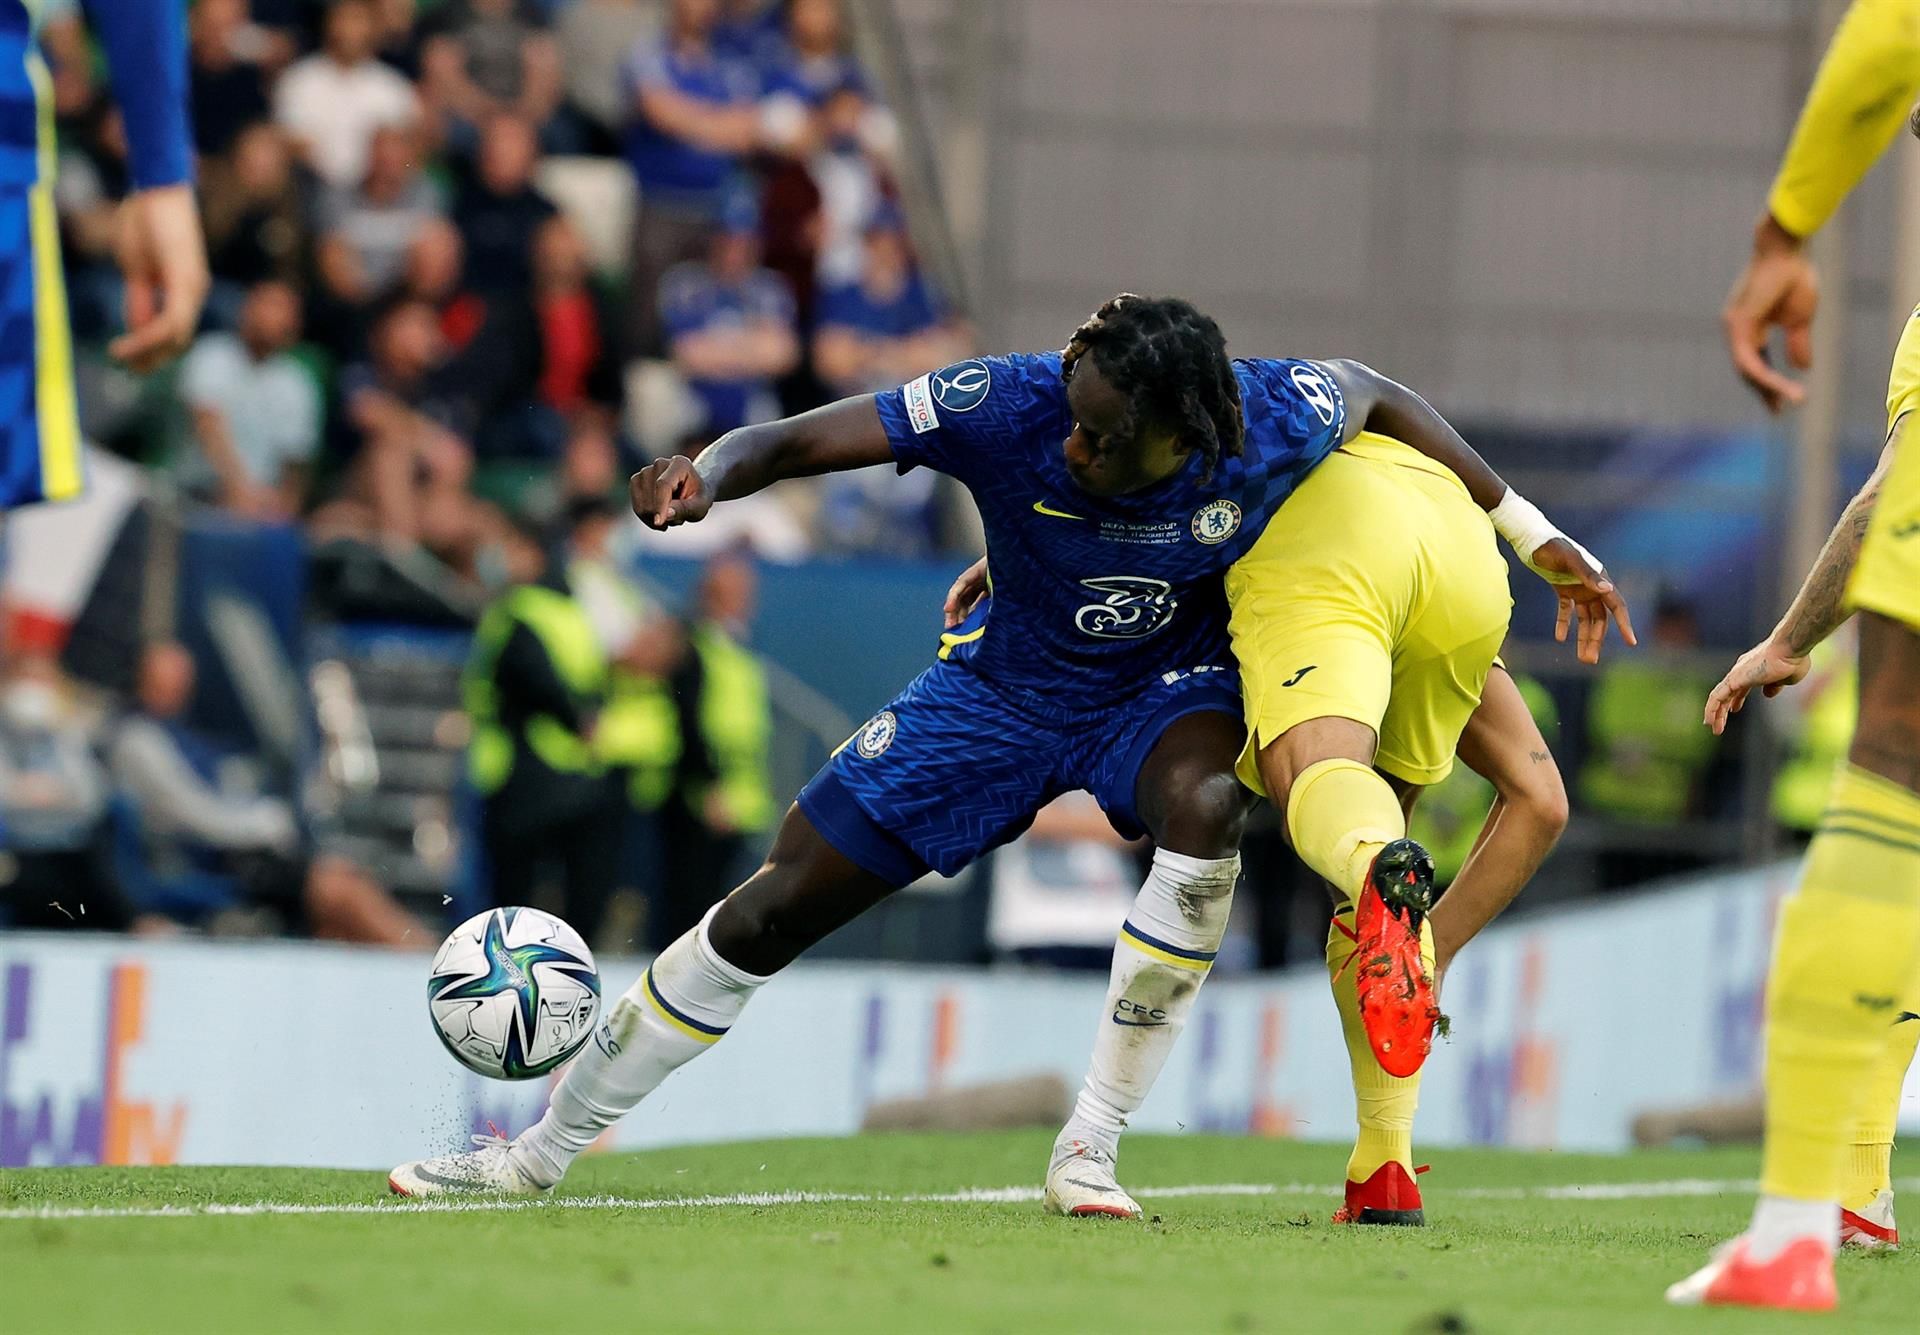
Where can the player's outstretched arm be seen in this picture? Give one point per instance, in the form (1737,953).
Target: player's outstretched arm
(1867,81)
(832,439)
(1503,745)
(162,253)
(1818,609)
(1587,596)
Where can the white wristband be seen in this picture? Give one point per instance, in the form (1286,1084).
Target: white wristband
(1522,524)
(1527,530)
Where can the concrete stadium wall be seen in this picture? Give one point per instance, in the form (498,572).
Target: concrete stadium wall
(115,1051)
(1529,209)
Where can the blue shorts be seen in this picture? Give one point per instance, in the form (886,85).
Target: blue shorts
(39,423)
(954,766)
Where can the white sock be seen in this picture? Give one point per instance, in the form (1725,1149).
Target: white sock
(1163,955)
(683,1004)
(1779,1221)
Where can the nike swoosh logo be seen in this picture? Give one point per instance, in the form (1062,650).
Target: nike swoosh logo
(1294,680)
(1042,508)
(1908,529)
(1904,1016)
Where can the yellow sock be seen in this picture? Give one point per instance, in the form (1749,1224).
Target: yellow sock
(1869,1167)
(1383,1104)
(1845,953)
(1340,814)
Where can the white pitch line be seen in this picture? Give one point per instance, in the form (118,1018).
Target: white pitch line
(1589,1191)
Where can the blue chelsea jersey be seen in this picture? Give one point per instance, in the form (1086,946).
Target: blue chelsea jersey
(1094,598)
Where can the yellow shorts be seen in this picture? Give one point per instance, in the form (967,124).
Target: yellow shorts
(1377,593)
(1886,579)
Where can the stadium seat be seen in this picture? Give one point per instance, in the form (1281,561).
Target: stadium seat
(599,196)
(188,896)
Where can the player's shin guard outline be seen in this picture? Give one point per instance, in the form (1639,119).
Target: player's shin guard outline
(1164,951)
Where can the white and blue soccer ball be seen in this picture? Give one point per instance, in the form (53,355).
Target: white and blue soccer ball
(513,993)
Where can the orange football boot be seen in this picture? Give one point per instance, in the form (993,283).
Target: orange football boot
(1798,1279)
(1397,1005)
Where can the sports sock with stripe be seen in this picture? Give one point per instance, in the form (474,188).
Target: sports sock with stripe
(1383,1104)
(1845,953)
(1870,1159)
(683,1004)
(1165,949)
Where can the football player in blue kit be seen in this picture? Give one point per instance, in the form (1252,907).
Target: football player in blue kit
(161,252)
(1118,482)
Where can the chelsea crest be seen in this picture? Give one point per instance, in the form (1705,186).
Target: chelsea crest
(1216,521)
(877,736)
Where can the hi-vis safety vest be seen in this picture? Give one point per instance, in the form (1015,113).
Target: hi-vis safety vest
(565,632)
(639,732)
(736,719)
(1820,743)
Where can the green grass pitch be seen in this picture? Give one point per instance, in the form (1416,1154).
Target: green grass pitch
(1504,1250)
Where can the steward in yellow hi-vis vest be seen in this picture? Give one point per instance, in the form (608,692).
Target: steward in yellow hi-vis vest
(535,684)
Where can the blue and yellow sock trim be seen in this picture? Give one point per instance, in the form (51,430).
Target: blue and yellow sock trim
(679,1019)
(1165,951)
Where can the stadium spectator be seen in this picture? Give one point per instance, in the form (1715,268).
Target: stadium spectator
(820,203)
(498,209)
(723,793)
(256,228)
(192,820)
(397,39)
(1647,752)
(489,60)
(595,38)
(579,362)
(886,327)
(482,385)
(366,231)
(807,64)
(695,119)
(333,101)
(256,410)
(408,471)
(53,803)
(535,684)
(731,327)
(230,61)
(745,30)
(1817,720)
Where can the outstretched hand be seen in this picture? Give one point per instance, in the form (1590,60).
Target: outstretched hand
(163,260)
(1768,665)
(1777,288)
(1586,596)
(966,593)
(668,492)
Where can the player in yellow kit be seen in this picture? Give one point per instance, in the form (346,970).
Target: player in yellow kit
(1847,953)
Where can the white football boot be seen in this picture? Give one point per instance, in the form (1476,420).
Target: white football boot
(1080,1182)
(1871,1227)
(490,1169)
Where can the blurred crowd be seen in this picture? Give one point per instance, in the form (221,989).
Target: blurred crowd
(478,257)
(474,261)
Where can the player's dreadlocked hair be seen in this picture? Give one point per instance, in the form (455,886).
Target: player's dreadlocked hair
(1171,362)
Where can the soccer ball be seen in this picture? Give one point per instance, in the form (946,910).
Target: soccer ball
(513,993)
